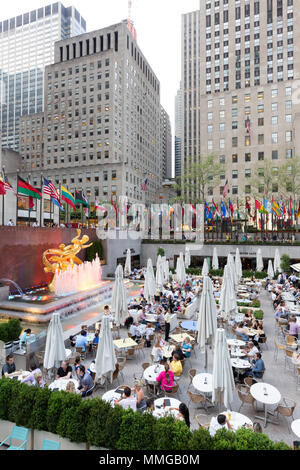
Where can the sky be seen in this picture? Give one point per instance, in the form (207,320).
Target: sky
(158,24)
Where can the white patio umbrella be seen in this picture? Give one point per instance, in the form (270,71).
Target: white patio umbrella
(238,265)
(119,297)
(127,270)
(105,362)
(232,271)
(277,261)
(205,268)
(270,270)
(180,270)
(149,286)
(159,273)
(227,301)
(222,377)
(259,261)
(165,268)
(207,317)
(187,258)
(55,346)
(215,260)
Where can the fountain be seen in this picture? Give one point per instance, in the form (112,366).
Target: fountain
(74,286)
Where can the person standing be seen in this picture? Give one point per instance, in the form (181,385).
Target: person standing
(167,324)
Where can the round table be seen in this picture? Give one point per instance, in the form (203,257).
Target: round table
(266,394)
(237,420)
(167,351)
(61,384)
(20,377)
(236,352)
(239,318)
(189,325)
(160,411)
(296,427)
(150,375)
(240,363)
(236,342)
(111,396)
(199,382)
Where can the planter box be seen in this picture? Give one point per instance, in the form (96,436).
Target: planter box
(6,428)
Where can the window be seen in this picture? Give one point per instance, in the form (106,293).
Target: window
(234,141)
(247,140)
(234,174)
(234,99)
(248,189)
(234,125)
(260,108)
(247,157)
(274,154)
(274,93)
(247,173)
(288,105)
(234,189)
(288,136)
(261,156)
(234,158)
(288,118)
(274,107)
(288,153)
(261,139)
(260,121)
(222,143)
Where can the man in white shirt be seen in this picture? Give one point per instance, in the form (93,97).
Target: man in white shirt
(108,313)
(219,422)
(251,351)
(127,401)
(10,223)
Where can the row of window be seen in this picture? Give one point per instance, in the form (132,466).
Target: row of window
(260,140)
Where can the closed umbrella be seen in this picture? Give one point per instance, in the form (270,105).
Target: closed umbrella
(55,346)
(159,273)
(270,270)
(215,261)
(165,269)
(119,297)
(149,286)
(222,377)
(277,261)
(205,268)
(180,270)
(232,271)
(259,261)
(207,318)
(227,302)
(127,270)
(105,362)
(238,265)
(187,259)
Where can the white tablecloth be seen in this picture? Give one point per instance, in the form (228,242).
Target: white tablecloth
(240,363)
(61,384)
(258,392)
(161,411)
(150,375)
(237,420)
(199,382)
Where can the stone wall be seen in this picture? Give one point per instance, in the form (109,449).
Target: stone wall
(21,250)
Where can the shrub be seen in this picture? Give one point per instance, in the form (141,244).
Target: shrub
(258,314)
(11,330)
(216,272)
(73,420)
(40,407)
(55,407)
(95,249)
(201,440)
(113,426)
(163,433)
(260,275)
(181,436)
(255,303)
(285,263)
(136,431)
(8,389)
(98,417)
(160,251)
(69,408)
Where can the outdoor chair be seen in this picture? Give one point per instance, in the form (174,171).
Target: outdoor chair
(81,352)
(19,434)
(245,395)
(50,445)
(192,373)
(249,381)
(115,375)
(122,363)
(129,353)
(202,421)
(291,342)
(140,347)
(278,347)
(198,398)
(172,392)
(288,358)
(286,408)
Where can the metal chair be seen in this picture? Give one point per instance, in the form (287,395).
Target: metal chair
(286,408)
(288,358)
(172,392)
(20,434)
(192,373)
(198,398)
(278,347)
(50,445)
(245,396)
(122,363)
(202,421)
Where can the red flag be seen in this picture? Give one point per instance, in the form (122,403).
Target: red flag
(31,203)
(257,204)
(2,188)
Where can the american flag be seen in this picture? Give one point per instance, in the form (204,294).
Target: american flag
(144,186)
(225,190)
(247,125)
(50,189)
(7,185)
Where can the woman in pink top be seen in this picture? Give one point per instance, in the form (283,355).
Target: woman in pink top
(166,379)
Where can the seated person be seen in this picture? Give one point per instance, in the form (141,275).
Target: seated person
(258,367)
(150,405)
(129,321)
(294,327)
(77,364)
(251,351)
(241,331)
(166,379)
(39,381)
(70,388)
(177,350)
(81,341)
(157,351)
(149,331)
(134,331)
(84,329)
(33,368)
(176,365)
(141,318)
(64,371)
(24,338)
(219,422)
(140,397)
(85,382)
(160,319)
(127,401)
(9,367)
(96,338)
(187,347)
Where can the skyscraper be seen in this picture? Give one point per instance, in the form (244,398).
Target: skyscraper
(102,131)
(166,142)
(178,129)
(26,47)
(240,80)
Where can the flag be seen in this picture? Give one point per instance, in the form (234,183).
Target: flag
(231,207)
(99,207)
(298,213)
(258,205)
(7,185)
(275,208)
(238,210)
(2,188)
(217,209)
(144,185)
(31,203)
(208,214)
(290,208)
(80,198)
(248,124)
(225,190)
(267,206)
(28,190)
(68,198)
(193,209)
(224,210)
(50,189)
(255,215)
(282,211)
(248,207)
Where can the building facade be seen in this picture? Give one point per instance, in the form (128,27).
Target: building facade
(26,47)
(166,144)
(101,129)
(241,88)
(178,130)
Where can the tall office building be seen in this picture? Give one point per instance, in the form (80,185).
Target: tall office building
(26,47)
(178,130)
(240,80)
(101,122)
(166,144)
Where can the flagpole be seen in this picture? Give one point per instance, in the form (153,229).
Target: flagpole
(17,197)
(2,196)
(41,202)
(28,203)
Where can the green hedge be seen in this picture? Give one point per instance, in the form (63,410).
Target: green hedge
(11,330)
(97,423)
(95,249)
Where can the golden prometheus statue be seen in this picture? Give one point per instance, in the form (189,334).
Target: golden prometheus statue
(58,259)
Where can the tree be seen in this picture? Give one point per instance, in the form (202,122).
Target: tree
(199,176)
(290,179)
(265,176)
